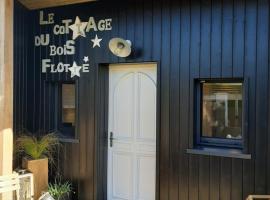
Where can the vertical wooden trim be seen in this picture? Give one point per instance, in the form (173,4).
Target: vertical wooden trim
(6,67)
(158,131)
(6,88)
(6,63)
(6,146)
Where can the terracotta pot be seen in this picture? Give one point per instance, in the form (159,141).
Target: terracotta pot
(39,168)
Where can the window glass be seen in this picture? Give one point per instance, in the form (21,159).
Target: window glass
(68,105)
(222,110)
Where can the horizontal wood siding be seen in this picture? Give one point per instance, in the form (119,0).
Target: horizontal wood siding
(188,39)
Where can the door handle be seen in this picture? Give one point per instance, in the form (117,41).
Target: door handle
(111,139)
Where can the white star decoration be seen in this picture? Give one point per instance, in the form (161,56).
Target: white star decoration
(75,70)
(85,59)
(96,41)
(78,28)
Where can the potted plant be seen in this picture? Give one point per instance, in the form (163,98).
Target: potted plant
(60,190)
(37,151)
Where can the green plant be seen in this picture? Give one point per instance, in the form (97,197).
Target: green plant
(59,190)
(35,147)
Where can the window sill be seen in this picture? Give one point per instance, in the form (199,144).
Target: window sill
(69,140)
(229,153)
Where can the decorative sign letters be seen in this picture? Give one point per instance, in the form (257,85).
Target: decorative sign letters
(78,28)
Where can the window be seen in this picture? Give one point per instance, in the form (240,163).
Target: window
(67,112)
(220,113)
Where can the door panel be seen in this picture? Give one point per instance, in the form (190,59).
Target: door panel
(147,107)
(122,179)
(146,178)
(123,110)
(132,121)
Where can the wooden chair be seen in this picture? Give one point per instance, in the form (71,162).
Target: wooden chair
(26,186)
(10,183)
(254,197)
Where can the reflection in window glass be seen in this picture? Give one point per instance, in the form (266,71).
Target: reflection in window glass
(222,110)
(68,105)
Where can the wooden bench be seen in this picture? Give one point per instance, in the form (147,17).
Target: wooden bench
(10,183)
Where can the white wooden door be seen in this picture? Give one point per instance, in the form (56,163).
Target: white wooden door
(132,121)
